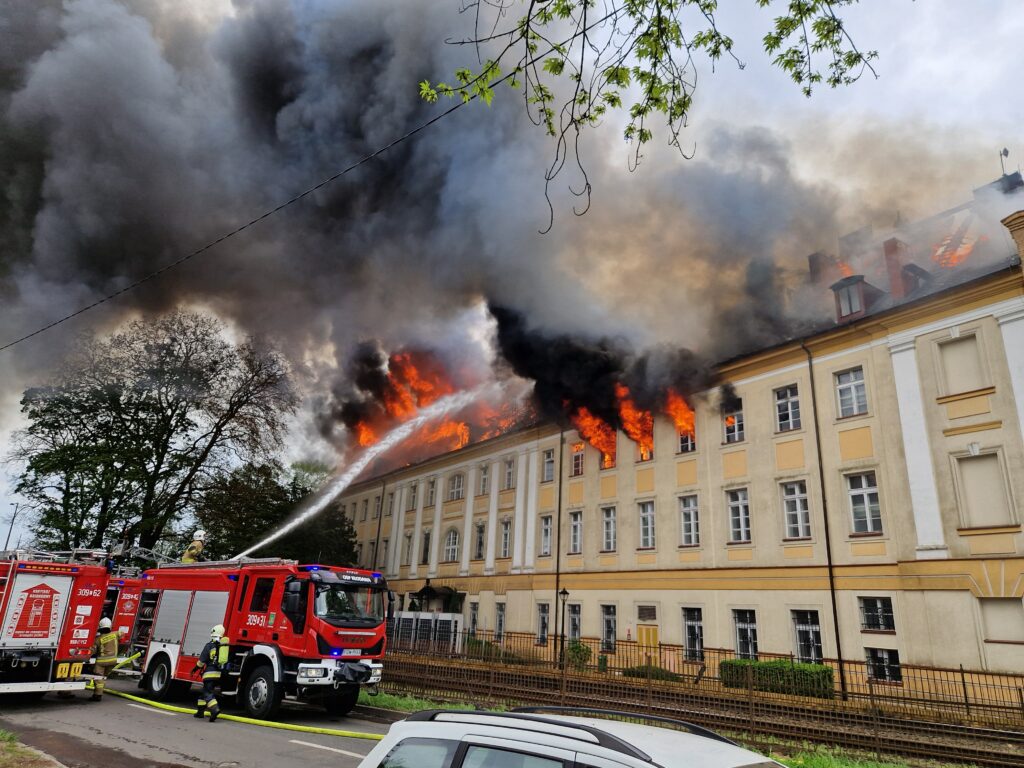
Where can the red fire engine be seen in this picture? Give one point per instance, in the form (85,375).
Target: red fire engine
(49,611)
(311,632)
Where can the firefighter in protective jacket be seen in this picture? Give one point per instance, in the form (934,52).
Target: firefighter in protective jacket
(213,661)
(105,650)
(195,549)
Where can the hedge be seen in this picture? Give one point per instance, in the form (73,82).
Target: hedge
(779,676)
(488,651)
(652,671)
(578,654)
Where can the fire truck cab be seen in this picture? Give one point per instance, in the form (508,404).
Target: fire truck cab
(50,608)
(311,632)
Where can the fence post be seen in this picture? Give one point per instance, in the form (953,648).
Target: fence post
(750,700)
(650,704)
(963,683)
(876,726)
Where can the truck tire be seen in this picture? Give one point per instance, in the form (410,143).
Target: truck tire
(161,683)
(262,695)
(340,701)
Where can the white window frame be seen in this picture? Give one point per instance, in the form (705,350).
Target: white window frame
(609,533)
(474,618)
(648,532)
(854,390)
(451,546)
(408,549)
(546,526)
(577,459)
(787,408)
(689,520)
(871,523)
(506,538)
(874,616)
(548,471)
(693,633)
(543,622)
(575,622)
(499,622)
(745,624)
(735,432)
(391,505)
(510,473)
(609,628)
(739,515)
(479,540)
(687,442)
(378,505)
(457,487)
(849,300)
(425,547)
(431,492)
(796,509)
(802,625)
(576,532)
(485,478)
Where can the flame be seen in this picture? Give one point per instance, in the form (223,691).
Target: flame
(730,421)
(954,248)
(413,384)
(449,435)
(365,435)
(596,432)
(680,412)
(636,423)
(844,269)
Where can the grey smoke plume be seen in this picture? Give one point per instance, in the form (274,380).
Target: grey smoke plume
(132,131)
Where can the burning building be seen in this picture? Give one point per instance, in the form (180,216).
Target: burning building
(844,493)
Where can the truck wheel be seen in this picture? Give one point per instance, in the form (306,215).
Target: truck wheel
(262,696)
(160,678)
(340,702)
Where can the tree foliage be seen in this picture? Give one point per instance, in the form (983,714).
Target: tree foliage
(121,441)
(576,61)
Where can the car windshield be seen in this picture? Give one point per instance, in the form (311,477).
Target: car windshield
(349,604)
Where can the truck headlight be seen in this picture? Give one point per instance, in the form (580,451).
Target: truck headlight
(315,672)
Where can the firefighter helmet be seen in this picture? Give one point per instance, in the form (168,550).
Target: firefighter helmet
(199,535)
(217,632)
(104,623)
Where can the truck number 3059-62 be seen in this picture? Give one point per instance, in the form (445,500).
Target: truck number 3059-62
(256,620)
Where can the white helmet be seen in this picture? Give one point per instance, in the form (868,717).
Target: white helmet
(104,623)
(199,535)
(217,632)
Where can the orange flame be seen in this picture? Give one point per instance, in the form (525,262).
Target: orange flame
(596,432)
(730,421)
(844,269)
(414,384)
(680,412)
(636,423)
(448,435)
(364,435)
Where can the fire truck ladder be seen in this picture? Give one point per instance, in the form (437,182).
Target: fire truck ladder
(235,564)
(72,556)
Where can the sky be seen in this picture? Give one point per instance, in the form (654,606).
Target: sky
(915,139)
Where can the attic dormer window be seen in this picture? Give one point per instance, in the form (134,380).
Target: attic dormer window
(849,300)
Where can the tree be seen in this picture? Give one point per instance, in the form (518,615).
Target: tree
(240,506)
(576,61)
(119,443)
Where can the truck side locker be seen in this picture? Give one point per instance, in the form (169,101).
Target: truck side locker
(208,609)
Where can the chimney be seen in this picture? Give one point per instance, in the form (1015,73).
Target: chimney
(1015,223)
(894,251)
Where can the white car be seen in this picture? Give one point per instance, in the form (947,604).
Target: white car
(543,737)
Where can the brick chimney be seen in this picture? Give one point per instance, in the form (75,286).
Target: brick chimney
(1015,223)
(894,251)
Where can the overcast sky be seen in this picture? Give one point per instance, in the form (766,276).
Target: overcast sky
(949,86)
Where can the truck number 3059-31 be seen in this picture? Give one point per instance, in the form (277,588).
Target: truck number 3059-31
(256,620)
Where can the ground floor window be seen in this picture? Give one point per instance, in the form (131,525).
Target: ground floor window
(884,665)
(808,636)
(608,628)
(499,621)
(575,622)
(543,613)
(693,634)
(746,634)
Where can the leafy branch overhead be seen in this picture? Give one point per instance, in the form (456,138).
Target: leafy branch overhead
(575,62)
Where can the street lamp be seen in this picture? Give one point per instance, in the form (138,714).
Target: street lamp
(563,595)
(11,526)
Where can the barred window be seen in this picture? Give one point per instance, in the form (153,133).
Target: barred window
(543,611)
(746,634)
(693,634)
(884,664)
(608,628)
(808,636)
(876,614)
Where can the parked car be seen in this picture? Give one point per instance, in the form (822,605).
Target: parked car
(549,737)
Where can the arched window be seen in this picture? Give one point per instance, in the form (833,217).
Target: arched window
(456,487)
(451,546)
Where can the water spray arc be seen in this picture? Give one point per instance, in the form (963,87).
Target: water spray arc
(330,491)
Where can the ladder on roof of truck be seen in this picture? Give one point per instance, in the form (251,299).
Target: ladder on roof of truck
(70,556)
(231,563)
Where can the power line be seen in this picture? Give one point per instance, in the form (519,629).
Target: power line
(252,222)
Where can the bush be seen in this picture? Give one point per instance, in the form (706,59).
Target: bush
(577,654)
(488,651)
(779,676)
(653,671)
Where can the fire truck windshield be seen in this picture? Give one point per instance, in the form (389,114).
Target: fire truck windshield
(347,604)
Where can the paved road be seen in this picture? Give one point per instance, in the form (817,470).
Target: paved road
(116,733)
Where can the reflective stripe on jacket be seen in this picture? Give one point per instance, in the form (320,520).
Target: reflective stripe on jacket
(214,657)
(192,553)
(105,648)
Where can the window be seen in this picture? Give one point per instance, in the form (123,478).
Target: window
(510,474)
(376,507)
(739,515)
(549,466)
(485,472)
(543,612)
(1002,619)
(608,537)
(479,541)
(647,613)
(608,459)
(474,618)
(575,532)
(798,515)
(407,556)
(733,422)
(412,496)
(646,524)
(384,552)
(884,665)
(689,521)
(645,453)
(693,634)
(687,442)
(499,621)
(425,549)
(746,634)
(431,492)
(366,509)
(853,397)
(261,591)
(575,622)
(506,538)
(545,535)
(391,505)
(608,628)
(808,636)
(451,546)
(864,508)
(961,365)
(982,498)
(421,752)
(359,554)
(849,300)
(495,757)
(787,409)
(372,559)
(455,487)
(876,614)
(576,468)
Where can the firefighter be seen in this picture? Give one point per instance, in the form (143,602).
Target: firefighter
(213,660)
(105,650)
(195,549)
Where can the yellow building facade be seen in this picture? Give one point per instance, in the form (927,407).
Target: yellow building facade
(867,496)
